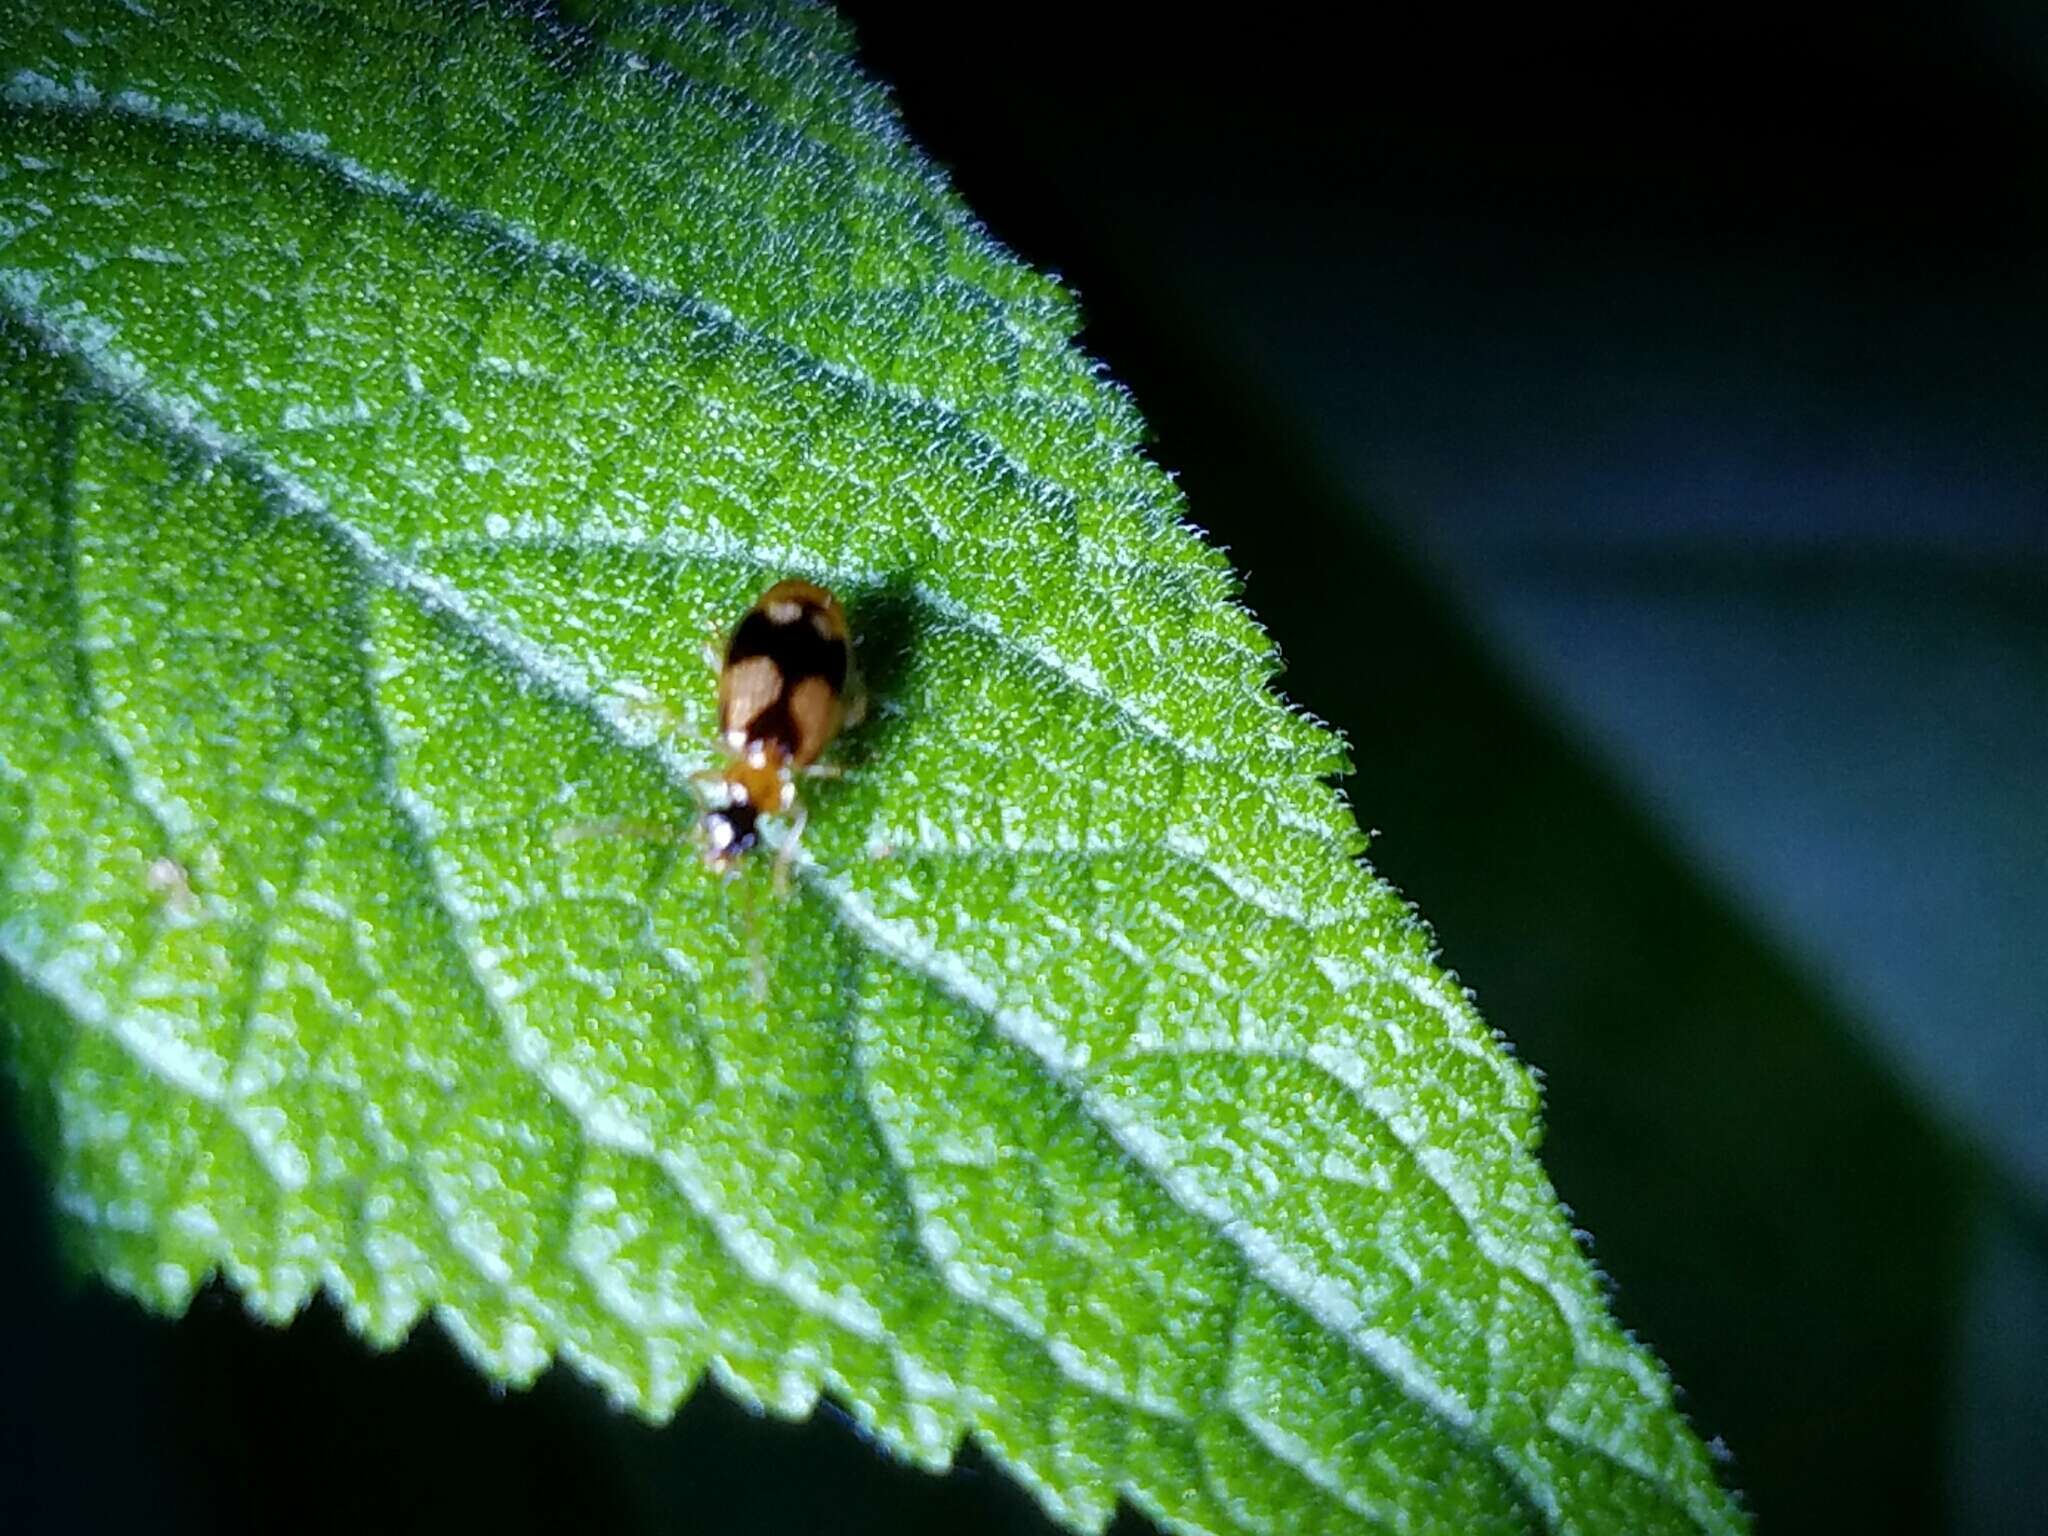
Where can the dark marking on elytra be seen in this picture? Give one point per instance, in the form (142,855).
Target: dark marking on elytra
(799,650)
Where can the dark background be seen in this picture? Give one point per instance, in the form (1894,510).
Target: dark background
(1666,392)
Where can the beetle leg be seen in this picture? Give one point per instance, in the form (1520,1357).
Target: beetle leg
(785,856)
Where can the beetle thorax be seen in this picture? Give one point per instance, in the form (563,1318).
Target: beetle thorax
(762,780)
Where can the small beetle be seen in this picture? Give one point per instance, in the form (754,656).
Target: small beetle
(783,693)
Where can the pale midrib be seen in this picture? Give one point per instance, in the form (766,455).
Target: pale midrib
(441,598)
(191,425)
(421,845)
(123,380)
(1308,1467)
(674,545)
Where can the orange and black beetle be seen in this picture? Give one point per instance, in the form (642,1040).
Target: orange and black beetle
(783,692)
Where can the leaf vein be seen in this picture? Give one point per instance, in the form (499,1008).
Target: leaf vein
(34,92)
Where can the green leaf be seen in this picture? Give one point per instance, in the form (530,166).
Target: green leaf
(395,399)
